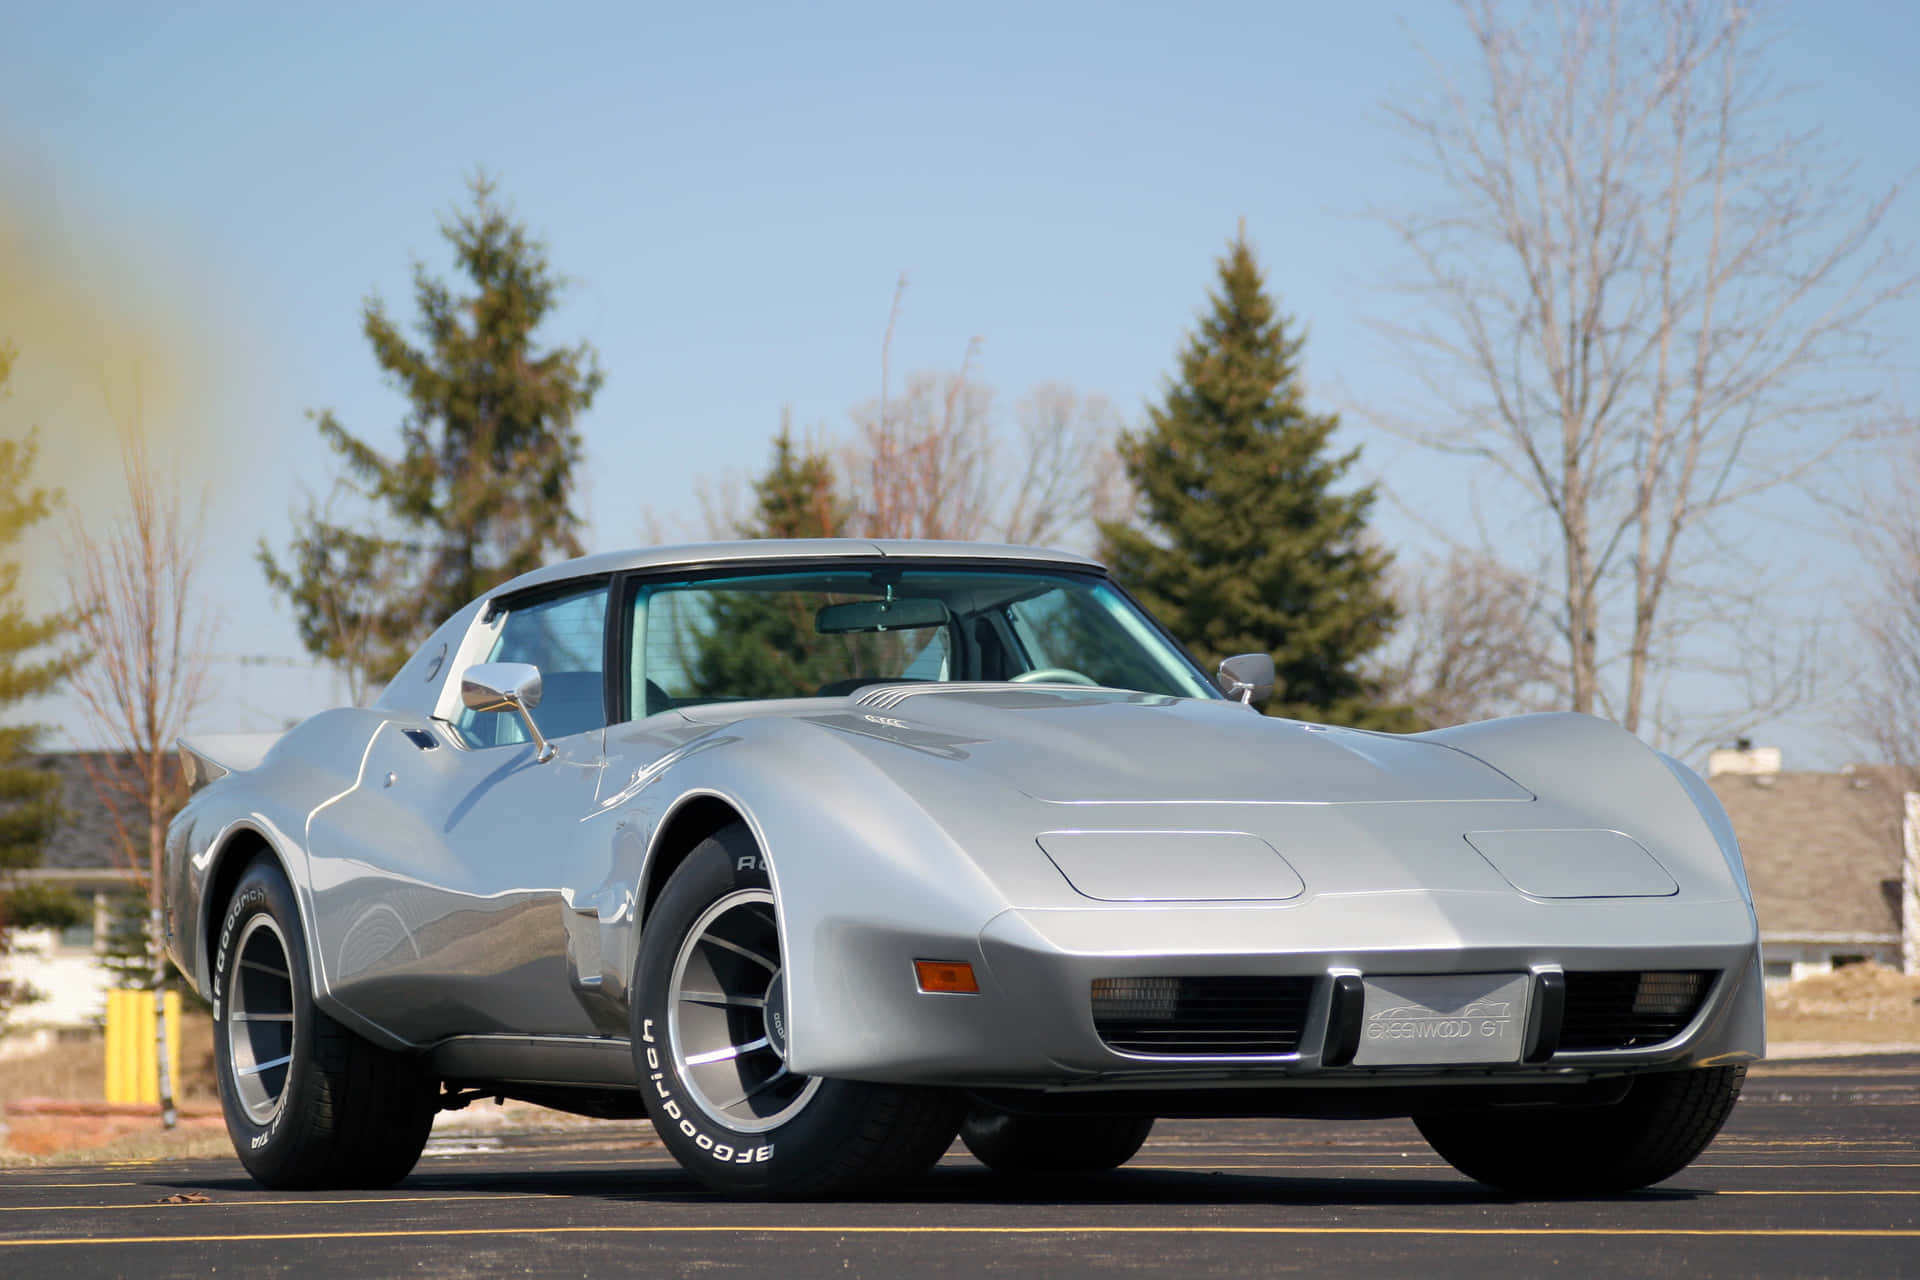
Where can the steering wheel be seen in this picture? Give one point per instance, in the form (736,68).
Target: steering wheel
(1055,675)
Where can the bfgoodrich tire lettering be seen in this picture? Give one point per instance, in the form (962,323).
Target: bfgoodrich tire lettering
(1654,1132)
(307,1102)
(709,1039)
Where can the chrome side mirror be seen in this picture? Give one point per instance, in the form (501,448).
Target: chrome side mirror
(507,686)
(1247,677)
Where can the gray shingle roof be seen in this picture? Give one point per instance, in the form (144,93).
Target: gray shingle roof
(85,838)
(1820,848)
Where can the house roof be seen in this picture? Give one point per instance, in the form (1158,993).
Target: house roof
(1823,850)
(86,838)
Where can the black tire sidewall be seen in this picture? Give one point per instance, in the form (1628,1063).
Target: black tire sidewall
(1663,1124)
(788,1159)
(1027,1144)
(266,1150)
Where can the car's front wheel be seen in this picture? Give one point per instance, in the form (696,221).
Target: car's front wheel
(307,1102)
(1019,1144)
(1666,1119)
(710,1037)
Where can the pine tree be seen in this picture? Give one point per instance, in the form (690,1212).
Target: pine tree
(1245,546)
(483,488)
(29,793)
(799,496)
(765,646)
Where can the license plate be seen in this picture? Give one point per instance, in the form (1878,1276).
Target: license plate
(1436,1020)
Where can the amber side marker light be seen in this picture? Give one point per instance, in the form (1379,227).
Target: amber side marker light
(950,977)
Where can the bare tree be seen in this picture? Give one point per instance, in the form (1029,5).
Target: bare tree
(349,585)
(1473,641)
(1068,476)
(1885,708)
(1651,304)
(938,460)
(147,644)
(920,464)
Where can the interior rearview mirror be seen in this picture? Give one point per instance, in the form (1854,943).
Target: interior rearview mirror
(905,614)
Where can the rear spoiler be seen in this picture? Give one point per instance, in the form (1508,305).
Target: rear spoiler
(212,756)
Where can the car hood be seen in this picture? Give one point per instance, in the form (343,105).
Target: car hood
(1103,746)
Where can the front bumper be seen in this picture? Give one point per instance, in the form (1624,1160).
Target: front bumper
(1032,1024)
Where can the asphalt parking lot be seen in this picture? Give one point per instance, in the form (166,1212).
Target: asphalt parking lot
(1818,1174)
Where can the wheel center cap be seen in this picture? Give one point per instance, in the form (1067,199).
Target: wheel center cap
(776,1015)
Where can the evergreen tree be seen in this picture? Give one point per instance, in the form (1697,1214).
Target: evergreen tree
(799,496)
(483,487)
(1245,546)
(29,793)
(126,952)
(764,645)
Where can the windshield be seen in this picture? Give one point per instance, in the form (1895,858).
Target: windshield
(826,633)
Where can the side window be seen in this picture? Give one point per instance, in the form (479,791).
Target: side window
(1093,633)
(565,636)
(931,662)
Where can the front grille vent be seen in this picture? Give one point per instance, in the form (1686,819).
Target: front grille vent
(1630,1010)
(1202,1017)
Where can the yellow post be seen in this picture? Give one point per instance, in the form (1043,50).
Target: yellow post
(113,1038)
(118,1037)
(173,1045)
(133,1067)
(149,1066)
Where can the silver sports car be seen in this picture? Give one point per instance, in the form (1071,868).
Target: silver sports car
(819,853)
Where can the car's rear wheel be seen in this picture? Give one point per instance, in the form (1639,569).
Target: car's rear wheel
(1654,1132)
(1052,1144)
(710,1035)
(307,1102)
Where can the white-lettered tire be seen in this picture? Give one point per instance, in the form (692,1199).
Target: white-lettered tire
(709,1039)
(1666,1119)
(308,1103)
(1021,1145)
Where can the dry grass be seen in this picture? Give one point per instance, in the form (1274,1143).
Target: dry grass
(1860,1003)
(77,1068)
(137,1148)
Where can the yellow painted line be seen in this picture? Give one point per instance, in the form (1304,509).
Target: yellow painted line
(1391,1158)
(1464,1185)
(1804,1164)
(1278,1168)
(1817,1142)
(218,1204)
(599,1164)
(1404,1148)
(1809,1233)
(1821,1142)
(1816,1193)
(1285,1167)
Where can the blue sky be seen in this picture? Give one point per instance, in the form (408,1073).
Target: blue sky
(734,191)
